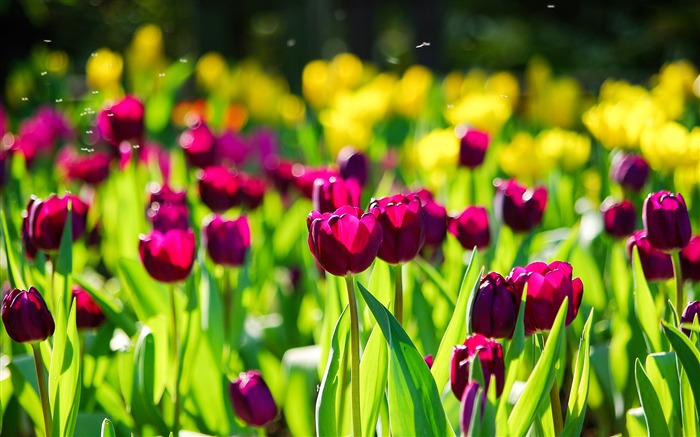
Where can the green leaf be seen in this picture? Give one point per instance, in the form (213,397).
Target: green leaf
(414,401)
(663,374)
(148,297)
(456,330)
(27,395)
(540,380)
(13,270)
(687,354)
(64,260)
(653,414)
(636,425)
(64,381)
(434,277)
(143,391)
(107,429)
(644,307)
(578,395)
(299,366)
(326,419)
(689,419)
(373,375)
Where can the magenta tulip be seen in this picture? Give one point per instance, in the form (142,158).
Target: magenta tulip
(630,171)
(252,400)
(353,164)
(495,307)
(122,121)
(657,265)
(490,354)
(520,208)
(690,260)
(666,221)
(47,218)
(401,219)
(219,188)
(168,256)
(471,228)
(199,144)
(434,219)
(619,219)
(472,148)
(334,192)
(227,241)
(88,315)
(26,317)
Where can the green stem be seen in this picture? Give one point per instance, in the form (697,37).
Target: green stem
(556,408)
(43,389)
(227,293)
(354,357)
(175,354)
(678,277)
(398,293)
(472,186)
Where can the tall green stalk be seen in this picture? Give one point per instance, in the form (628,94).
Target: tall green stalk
(43,388)
(678,278)
(175,355)
(354,357)
(398,292)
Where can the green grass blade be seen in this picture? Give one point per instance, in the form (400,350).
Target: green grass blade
(645,308)
(326,418)
(578,395)
(653,414)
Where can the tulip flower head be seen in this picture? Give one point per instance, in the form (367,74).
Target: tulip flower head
(666,221)
(690,313)
(344,241)
(252,191)
(334,192)
(547,286)
(469,402)
(219,188)
(168,216)
(199,144)
(88,314)
(26,317)
(619,219)
(252,400)
(47,218)
(472,148)
(434,219)
(401,219)
(495,305)
(353,164)
(520,208)
(471,228)
(657,265)
(91,168)
(168,256)
(227,241)
(690,260)
(490,354)
(122,121)
(630,171)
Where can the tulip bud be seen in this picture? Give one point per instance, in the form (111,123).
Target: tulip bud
(218,188)
(353,165)
(547,286)
(88,314)
(227,241)
(690,260)
(165,195)
(92,168)
(199,144)
(168,256)
(471,228)
(472,148)
(252,191)
(657,265)
(490,355)
(47,218)
(281,173)
(691,311)
(470,401)
(26,317)
(518,207)
(428,360)
(305,177)
(252,400)
(330,194)
(619,219)
(122,121)
(401,219)
(666,221)
(166,217)
(434,219)
(345,241)
(495,305)
(629,170)
(30,250)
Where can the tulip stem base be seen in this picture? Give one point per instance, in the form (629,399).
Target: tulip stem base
(175,353)
(354,357)
(556,408)
(678,279)
(43,389)
(398,292)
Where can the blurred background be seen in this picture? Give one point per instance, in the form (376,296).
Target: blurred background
(592,40)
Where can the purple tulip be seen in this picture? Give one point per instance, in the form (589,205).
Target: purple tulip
(168,216)
(227,241)
(219,188)
(168,256)
(199,144)
(30,250)
(401,219)
(690,260)
(471,228)
(657,265)
(619,219)
(345,241)
(518,207)
(47,218)
(252,191)
(88,314)
(472,148)
(470,401)
(91,168)
(490,355)
(434,219)
(282,173)
(547,286)
(305,177)
(353,164)
(26,317)
(252,400)
(630,171)
(332,193)
(666,221)
(232,149)
(691,311)
(165,195)
(495,307)
(428,360)
(122,121)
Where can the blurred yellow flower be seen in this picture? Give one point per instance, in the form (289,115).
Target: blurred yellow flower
(340,129)
(346,70)
(104,69)
(482,111)
(315,83)
(292,109)
(570,149)
(474,82)
(411,92)
(263,94)
(620,124)
(670,145)
(452,86)
(57,62)
(504,84)
(436,154)
(555,103)
(211,71)
(681,74)
(524,158)
(147,46)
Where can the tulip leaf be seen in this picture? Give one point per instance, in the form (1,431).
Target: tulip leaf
(578,395)
(456,330)
(15,274)
(653,413)
(326,418)
(414,401)
(663,374)
(23,389)
(299,366)
(688,356)
(64,377)
(64,260)
(644,307)
(689,419)
(540,380)
(107,429)
(434,277)
(110,306)
(148,297)
(373,377)
(143,391)
(636,425)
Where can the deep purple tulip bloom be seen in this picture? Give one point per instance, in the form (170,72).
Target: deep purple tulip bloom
(122,121)
(252,191)
(47,219)
(666,221)
(691,311)
(231,148)
(401,218)
(690,260)
(630,171)
(434,219)
(30,250)
(472,148)
(520,208)
(547,286)
(281,173)
(219,188)
(165,195)
(304,178)
(168,256)
(429,360)
(88,314)
(353,164)
(471,228)
(657,265)
(469,401)
(199,144)
(92,168)
(252,400)
(332,193)
(490,355)
(26,317)
(4,154)
(227,241)
(345,241)
(619,219)
(495,307)
(168,216)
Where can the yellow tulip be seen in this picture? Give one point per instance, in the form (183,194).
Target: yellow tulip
(411,92)
(211,71)
(525,158)
(436,154)
(670,145)
(104,69)
(571,149)
(482,111)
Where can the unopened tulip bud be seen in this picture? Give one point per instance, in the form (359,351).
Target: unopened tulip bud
(26,317)
(666,221)
(252,400)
